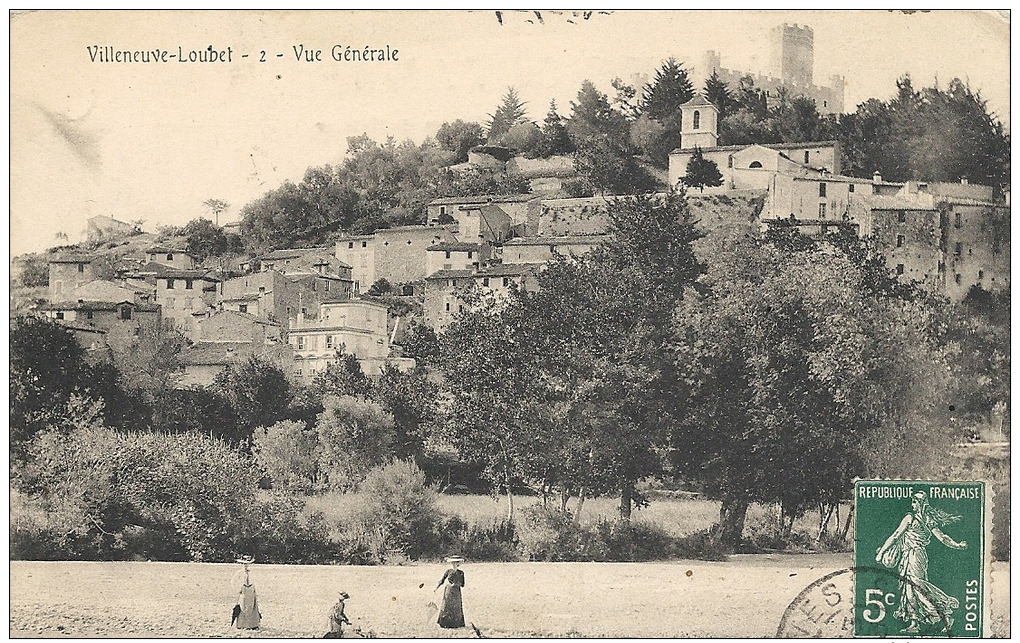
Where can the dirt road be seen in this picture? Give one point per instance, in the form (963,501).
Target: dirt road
(744,597)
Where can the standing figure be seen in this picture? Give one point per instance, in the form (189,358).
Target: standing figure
(246,611)
(906,550)
(451,612)
(337,618)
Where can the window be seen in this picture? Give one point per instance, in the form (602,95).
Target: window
(304,310)
(59,288)
(851,188)
(821,210)
(241,308)
(81,267)
(957,278)
(364,244)
(169,302)
(470,254)
(408,242)
(169,284)
(350,245)
(188,283)
(447,254)
(901,216)
(262,290)
(958,223)
(329,341)
(125,313)
(297,372)
(327,286)
(729,161)
(460,308)
(88,315)
(755,165)
(506,281)
(899,240)
(442,209)
(807,158)
(958,249)
(485,281)
(899,269)
(301,343)
(169,256)
(447,306)
(60,314)
(821,189)
(697,119)
(981,274)
(942,267)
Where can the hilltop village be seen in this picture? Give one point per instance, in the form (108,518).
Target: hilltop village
(298,306)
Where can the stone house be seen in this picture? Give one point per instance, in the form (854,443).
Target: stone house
(456,255)
(170,257)
(445,289)
(68,273)
(232,326)
(320,260)
(183,293)
(277,297)
(521,208)
(356,325)
(203,361)
(482,224)
(119,321)
(123,290)
(395,254)
(542,249)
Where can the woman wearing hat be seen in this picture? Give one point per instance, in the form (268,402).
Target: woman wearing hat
(337,618)
(451,612)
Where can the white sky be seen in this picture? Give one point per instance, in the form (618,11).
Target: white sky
(153,142)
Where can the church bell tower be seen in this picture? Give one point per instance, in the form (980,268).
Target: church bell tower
(699,124)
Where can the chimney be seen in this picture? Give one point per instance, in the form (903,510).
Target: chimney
(876,177)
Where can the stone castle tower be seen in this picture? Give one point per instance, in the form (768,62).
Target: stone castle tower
(793,54)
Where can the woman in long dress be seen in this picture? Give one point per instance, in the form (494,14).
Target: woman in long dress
(246,612)
(451,612)
(906,550)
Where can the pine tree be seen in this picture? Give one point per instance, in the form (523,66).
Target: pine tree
(718,93)
(555,139)
(670,89)
(509,113)
(702,172)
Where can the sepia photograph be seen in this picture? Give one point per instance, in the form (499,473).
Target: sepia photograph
(509,324)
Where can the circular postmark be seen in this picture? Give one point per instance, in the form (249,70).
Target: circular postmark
(825,608)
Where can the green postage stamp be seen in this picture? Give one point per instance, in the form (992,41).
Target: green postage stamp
(919,558)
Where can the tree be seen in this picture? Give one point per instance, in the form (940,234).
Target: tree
(216,206)
(555,139)
(342,376)
(523,138)
(459,137)
(796,377)
(354,435)
(205,239)
(35,271)
(663,96)
(702,172)
(421,343)
(718,93)
(412,399)
(381,286)
(509,113)
(624,101)
(257,392)
(287,451)
(593,119)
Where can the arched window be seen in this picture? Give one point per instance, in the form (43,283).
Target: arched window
(697,119)
(755,165)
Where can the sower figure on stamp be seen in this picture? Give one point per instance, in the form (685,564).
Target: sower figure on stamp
(451,611)
(906,550)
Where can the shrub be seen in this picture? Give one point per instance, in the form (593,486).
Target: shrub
(550,535)
(496,542)
(287,451)
(354,435)
(112,496)
(396,514)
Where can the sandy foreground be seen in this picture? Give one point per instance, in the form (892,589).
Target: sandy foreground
(744,597)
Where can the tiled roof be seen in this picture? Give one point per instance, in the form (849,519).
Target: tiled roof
(560,240)
(295,253)
(222,353)
(697,101)
(495,270)
(70,259)
(775,146)
(100,305)
(484,198)
(451,274)
(166,272)
(454,246)
(165,250)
